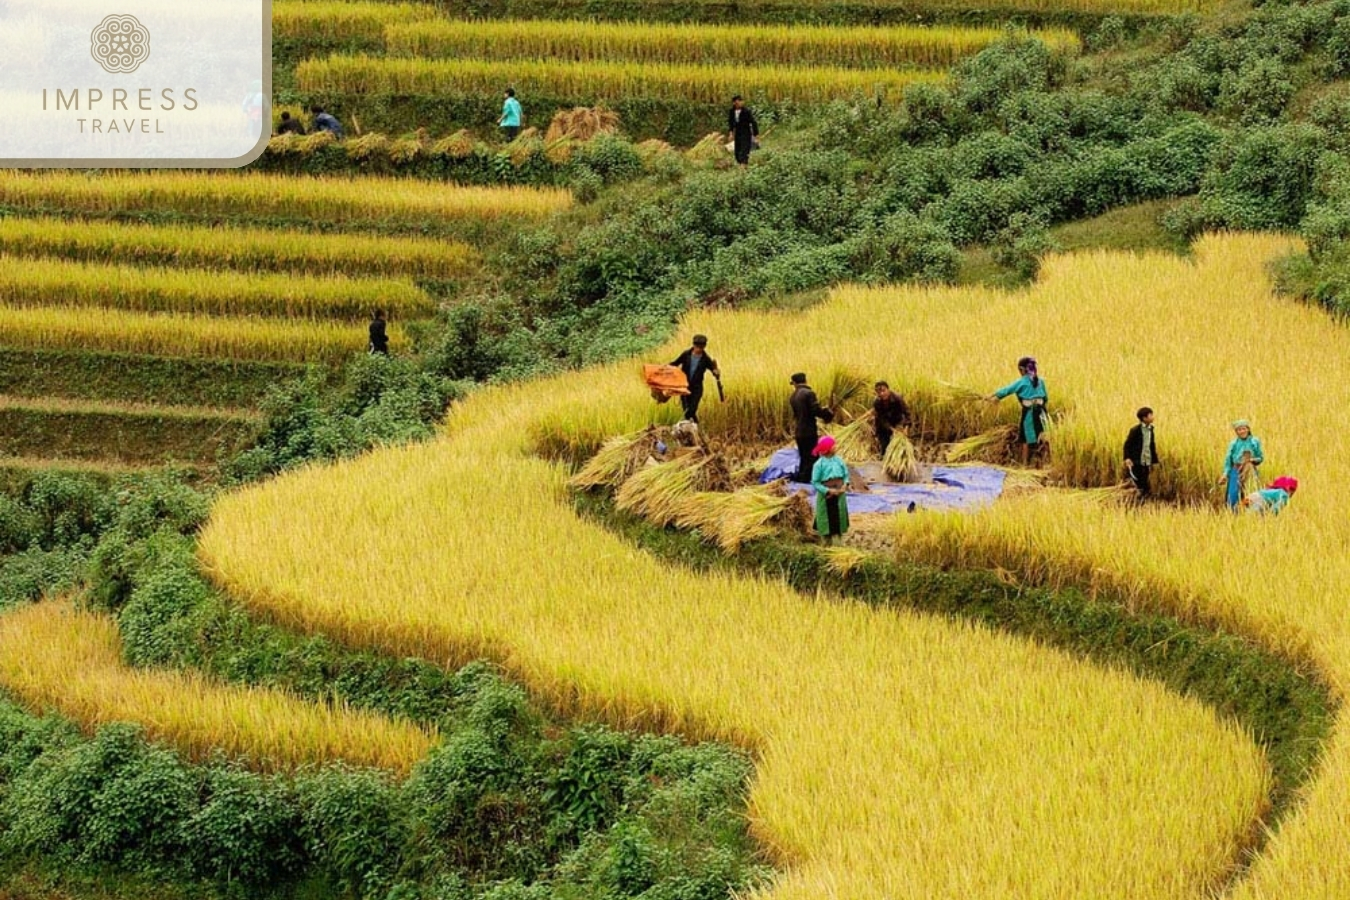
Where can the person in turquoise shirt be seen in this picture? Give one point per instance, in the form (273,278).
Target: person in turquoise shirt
(1241,464)
(511,115)
(829,476)
(1272,499)
(1030,392)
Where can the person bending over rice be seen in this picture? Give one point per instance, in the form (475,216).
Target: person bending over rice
(1272,499)
(1030,392)
(829,476)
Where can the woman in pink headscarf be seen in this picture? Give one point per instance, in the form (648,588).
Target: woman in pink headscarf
(1272,499)
(829,476)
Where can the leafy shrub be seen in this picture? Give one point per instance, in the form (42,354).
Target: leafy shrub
(1257,93)
(907,247)
(245,830)
(353,827)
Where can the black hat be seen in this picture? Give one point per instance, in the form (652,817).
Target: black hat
(799,378)
(700,340)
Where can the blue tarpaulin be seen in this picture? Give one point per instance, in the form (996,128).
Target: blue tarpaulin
(952,487)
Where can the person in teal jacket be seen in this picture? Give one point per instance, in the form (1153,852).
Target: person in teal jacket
(1242,462)
(511,115)
(829,476)
(1030,392)
(1272,499)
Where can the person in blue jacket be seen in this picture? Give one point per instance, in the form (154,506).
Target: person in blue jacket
(829,476)
(1030,392)
(1242,462)
(511,116)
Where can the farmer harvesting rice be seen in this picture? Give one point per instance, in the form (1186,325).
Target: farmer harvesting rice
(1272,499)
(806,409)
(695,363)
(1030,392)
(1141,452)
(1242,462)
(889,412)
(829,476)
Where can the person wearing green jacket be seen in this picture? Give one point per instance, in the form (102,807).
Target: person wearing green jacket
(1030,392)
(829,477)
(1242,461)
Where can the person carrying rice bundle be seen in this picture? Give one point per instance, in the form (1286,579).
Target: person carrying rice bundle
(829,476)
(1272,499)
(1030,392)
(889,412)
(1241,465)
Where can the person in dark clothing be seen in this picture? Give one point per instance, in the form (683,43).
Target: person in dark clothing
(289,125)
(379,338)
(742,129)
(806,409)
(889,412)
(695,363)
(1141,452)
(326,122)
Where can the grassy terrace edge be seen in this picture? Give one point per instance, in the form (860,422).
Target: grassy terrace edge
(1288,711)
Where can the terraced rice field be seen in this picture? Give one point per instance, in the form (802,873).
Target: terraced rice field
(897,756)
(149,281)
(42,645)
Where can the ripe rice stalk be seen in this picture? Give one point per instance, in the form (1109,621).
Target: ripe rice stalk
(42,644)
(340,20)
(865,47)
(315,141)
(990,446)
(614,464)
(901,461)
(733,519)
(248,249)
(845,560)
(655,492)
(847,394)
(581,123)
(855,442)
(561,151)
(362,201)
(45,282)
(367,146)
(591,82)
(172,334)
(459,145)
(710,148)
(1024,479)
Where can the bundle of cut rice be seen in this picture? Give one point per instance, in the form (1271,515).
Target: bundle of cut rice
(855,442)
(901,462)
(656,491)
(459,145)
(710,149)
(611,466)
(581,123)
(844,560)
(731,520)
(990,446)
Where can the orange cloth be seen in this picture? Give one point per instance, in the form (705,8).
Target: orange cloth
(670,381)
